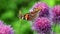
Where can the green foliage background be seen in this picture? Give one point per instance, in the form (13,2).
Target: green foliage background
(9,10)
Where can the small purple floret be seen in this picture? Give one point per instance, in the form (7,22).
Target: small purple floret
(56,13)
(5,29)
(42,25)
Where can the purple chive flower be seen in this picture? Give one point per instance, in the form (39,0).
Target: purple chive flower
(42,25)
(5,29)
(56,13)
(40,5)
(44,9)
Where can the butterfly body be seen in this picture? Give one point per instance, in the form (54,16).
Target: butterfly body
(31,15)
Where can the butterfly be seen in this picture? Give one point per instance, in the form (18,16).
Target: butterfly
(31,15)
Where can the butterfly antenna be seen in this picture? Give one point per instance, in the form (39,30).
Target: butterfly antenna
(20,14)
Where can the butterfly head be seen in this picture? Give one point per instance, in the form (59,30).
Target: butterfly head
(25,16)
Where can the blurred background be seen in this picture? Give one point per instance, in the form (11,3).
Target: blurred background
(9,11)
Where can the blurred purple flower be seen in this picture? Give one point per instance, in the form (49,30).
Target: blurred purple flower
(5,29)
(44,9)
(56,13)
(56,10)
(42,25)
(41,5)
